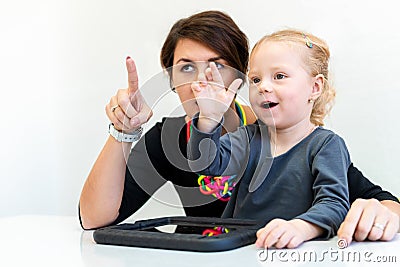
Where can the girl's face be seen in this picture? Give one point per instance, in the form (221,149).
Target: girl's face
(280,87)
(191,59)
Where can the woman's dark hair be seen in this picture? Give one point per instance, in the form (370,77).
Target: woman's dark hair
(213,29)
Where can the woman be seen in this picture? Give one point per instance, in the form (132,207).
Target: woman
(115,189)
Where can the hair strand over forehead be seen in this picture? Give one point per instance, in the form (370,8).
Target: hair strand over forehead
(213,29)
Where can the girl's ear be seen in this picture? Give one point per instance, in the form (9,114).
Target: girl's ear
(318,85)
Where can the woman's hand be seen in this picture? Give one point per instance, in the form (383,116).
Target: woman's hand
(369,219)
(128,110)
(286,234)
(212,97)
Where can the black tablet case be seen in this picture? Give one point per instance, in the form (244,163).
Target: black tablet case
(244,233)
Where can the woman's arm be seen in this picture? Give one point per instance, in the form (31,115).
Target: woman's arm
(102,192)
(361,187)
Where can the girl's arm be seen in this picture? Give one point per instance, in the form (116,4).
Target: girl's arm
(211,154)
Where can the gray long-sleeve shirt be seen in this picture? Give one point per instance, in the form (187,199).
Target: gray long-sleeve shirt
(308,182)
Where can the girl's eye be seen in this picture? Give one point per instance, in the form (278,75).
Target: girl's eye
(187,68)
(255,80)
(280,76)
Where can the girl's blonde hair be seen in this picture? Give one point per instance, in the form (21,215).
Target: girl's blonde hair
(316,60)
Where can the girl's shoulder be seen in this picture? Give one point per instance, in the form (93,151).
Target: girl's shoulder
(325,136)
(326,133)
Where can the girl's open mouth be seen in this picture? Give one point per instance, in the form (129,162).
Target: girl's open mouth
(268,104)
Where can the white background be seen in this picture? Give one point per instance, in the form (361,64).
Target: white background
(61,61)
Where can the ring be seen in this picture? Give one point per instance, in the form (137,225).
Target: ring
(379,226)
(113,108)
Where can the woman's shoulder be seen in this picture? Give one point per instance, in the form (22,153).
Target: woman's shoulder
(170,121)
(162,133)
(167,125)
(250,116)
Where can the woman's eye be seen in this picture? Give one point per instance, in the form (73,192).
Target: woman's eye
(187,68)
(219,65)
(255,80)
(280,76)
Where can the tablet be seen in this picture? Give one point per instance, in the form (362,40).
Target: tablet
(181,233)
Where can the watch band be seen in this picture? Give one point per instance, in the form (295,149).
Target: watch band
(123,137)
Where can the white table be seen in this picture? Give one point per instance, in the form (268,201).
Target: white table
(59,241)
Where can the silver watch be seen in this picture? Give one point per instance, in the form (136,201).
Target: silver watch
(123,137)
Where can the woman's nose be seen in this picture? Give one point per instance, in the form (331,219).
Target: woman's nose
(202,79)
(203,71)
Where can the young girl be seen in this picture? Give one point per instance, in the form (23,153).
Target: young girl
(293,170)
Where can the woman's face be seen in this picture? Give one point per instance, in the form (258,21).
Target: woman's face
(191,59)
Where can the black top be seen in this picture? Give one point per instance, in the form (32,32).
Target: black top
(155,160)
(149,166)
(361,187)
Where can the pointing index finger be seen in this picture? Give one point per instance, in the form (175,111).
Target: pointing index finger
(132,76)
(349,225)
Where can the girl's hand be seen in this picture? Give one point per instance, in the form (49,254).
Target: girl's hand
(212,97)
(286,234)
(128,110)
